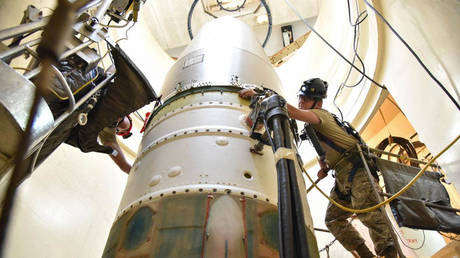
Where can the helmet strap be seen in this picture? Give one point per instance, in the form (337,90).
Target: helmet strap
(314,104)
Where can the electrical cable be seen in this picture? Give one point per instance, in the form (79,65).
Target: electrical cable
(356,55)
(334,49)
(219,3)
(267,9)
(114,26)
(358,21)
(396,195)
(414,54)
(139,116)
(126,34)
(335,97)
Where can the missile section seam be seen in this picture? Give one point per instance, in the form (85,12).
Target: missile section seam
(190,131)
(193,189)
(169,114)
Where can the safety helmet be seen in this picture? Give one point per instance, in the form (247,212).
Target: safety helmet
(314,88)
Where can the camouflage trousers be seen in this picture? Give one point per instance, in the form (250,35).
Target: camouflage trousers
(361,197)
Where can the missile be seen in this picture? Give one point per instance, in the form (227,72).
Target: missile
(195,189)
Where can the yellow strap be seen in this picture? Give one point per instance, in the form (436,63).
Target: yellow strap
(405,188)
(284,153)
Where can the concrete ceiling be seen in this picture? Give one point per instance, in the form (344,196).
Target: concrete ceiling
(167,19)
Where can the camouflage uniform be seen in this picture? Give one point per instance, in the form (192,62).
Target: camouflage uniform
(360,189)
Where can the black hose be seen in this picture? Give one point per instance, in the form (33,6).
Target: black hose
(219,3)
(267,9)
(189,19)
(285,222)
(299,218)
(269,15)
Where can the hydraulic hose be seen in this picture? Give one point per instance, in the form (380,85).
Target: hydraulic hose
(396,195)
(299,218)
(285,222)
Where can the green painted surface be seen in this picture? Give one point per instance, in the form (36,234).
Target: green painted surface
(269,221)
(138,228)
(176,229)
(114,237)
(180,226)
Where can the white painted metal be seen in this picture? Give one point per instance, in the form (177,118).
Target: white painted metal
(201,147)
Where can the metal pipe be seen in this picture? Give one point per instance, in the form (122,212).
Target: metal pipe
(16,51)
(75,49)
(22,29)
(67,89)
(87,6)
(102,9)
(399,156)
(379,199)
(429,204)
(32,52)
(84,99)
(29,75)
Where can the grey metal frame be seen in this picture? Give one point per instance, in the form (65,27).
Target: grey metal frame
(379,199)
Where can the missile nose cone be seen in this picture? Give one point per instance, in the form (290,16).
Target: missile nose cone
(225,52)
(224,33)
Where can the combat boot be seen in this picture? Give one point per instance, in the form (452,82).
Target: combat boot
(364,252)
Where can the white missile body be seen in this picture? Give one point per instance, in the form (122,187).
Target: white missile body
(195,190)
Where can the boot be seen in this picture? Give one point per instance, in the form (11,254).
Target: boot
(364,252)
(390,252)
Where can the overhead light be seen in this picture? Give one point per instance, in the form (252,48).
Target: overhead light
(261,19)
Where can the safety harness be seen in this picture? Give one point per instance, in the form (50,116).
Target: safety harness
(345,154)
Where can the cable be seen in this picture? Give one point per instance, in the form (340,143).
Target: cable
(139,116)
(267,9)
(356,55)
(355,48)
(358,22)
(414,54)
(404,189)
(327,43)
(335,97)
(219,3)
(126,34)
(114,26)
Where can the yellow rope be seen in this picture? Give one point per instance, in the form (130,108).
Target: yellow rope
(405,188)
